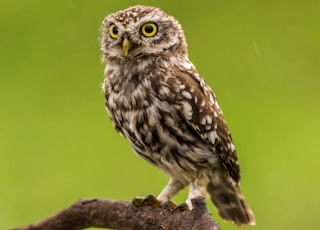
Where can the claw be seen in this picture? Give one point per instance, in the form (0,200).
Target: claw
(150,200)
(181,207)
(137,201)
(169,205)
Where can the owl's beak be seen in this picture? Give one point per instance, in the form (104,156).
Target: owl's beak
(126,46)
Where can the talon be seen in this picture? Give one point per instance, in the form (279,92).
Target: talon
(150,200)
(137,201)
(181,207)
(169,205)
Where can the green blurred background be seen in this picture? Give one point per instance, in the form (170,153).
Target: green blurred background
(262,58)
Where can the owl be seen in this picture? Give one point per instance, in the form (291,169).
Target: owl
(159,102)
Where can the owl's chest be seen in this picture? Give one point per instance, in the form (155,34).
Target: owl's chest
(134,108)
(127,96)
(144,112)
(131,93)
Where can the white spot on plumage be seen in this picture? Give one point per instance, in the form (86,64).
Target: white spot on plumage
(217,105)
(187,65)
(213,136)
(182,86)
(146,103)
(209,119)
(169,121)
(211,99)
(232,147)
(187,109)
(202,103)
(164,90)
(186,94)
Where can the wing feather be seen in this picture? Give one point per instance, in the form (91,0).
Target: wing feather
(201,111)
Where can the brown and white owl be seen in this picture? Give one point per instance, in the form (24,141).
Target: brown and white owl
(159,102)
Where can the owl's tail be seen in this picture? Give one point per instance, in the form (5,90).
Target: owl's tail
(230,202)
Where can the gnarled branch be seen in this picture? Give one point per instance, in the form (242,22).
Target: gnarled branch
(123,215)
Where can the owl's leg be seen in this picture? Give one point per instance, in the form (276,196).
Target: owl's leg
(195,190)
(172,188)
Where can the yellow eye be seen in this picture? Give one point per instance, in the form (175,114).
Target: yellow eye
(113,31)
(149,29)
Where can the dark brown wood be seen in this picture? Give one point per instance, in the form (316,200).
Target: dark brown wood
(123,215)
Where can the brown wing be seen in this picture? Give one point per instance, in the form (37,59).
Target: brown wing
(201,111)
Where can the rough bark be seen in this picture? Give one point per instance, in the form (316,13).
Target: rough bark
(123,215)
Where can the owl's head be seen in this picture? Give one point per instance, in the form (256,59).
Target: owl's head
(140,32)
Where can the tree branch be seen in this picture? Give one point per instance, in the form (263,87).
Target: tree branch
(123,215)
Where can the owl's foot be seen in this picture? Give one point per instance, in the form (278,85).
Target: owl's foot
(150,200)
(173,207)
(137,201)
(169,205)
(181,207)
